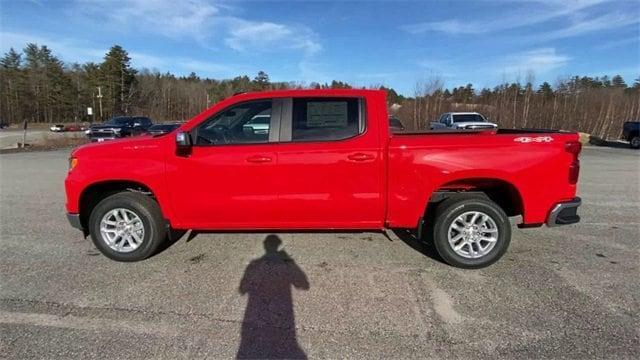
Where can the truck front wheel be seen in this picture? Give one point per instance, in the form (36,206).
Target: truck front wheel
(127,226)
(471,232)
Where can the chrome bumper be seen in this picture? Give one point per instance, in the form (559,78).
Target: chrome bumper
(564,213)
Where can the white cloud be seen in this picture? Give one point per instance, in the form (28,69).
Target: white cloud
(537,61)
(171,18)
(267,36)
(71,50)
(205,21)
(210,23)
(536,13)
(588,25)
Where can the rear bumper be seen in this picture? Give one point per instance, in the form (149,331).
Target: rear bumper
(564,213)
(74,220)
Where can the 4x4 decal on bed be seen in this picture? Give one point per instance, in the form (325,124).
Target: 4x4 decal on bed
(528,139)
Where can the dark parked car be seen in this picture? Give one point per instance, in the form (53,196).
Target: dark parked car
(631,133)
(159,129)
(118,127)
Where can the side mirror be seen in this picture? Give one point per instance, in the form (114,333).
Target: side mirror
(183,143)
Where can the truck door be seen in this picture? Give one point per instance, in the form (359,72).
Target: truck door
(229,181)
(330,164)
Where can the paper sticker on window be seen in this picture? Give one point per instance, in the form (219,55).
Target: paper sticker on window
(327,114)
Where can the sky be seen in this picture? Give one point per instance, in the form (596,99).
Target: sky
(398,44)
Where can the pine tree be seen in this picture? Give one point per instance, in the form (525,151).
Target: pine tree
(618,82)
(12,87)
(117,79)
(35,76)
(545,90)
(261,81)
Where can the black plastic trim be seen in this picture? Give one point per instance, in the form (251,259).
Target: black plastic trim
(74,220)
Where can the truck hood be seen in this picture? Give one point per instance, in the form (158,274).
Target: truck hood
(118,146)
(475,125)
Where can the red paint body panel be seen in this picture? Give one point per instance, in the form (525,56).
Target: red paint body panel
(370,181)
(419,165)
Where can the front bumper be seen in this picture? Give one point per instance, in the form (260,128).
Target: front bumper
(74,220)
(564,213)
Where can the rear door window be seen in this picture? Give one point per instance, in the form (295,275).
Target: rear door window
(326,119)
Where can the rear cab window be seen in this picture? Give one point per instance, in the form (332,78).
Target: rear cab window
(468,118)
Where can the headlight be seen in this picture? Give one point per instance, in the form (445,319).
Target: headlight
(72,163)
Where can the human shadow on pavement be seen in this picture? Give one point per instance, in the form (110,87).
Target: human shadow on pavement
(268,328)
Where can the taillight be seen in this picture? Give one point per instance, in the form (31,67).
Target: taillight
(574,148)
(574,172)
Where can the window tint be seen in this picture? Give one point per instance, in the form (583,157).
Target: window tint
(245,123)
(467,118)
(120,120)
(325,119)
(143,121)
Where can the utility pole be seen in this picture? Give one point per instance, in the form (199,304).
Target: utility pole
(93,104)
(100,99)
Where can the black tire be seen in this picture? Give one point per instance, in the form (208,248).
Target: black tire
(635,142)
(449,210)
(149,213)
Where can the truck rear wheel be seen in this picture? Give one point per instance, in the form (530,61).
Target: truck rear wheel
(127,226)
(635,142)
(471,232)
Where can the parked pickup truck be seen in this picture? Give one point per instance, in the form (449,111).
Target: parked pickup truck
(462,120)
(327,161)
(631,133)
(118,127)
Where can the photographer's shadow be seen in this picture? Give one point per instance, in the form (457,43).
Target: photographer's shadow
(268,328)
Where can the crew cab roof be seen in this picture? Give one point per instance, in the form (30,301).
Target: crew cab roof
(463,113)
(309,93)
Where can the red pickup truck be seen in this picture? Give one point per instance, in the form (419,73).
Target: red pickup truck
(322,159)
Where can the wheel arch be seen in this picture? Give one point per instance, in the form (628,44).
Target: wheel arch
(502,192)
(95,192)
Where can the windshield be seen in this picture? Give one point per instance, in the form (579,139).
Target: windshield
(468,118)
(118,121)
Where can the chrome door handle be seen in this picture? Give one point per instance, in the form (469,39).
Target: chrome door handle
(360,157)
(258,159)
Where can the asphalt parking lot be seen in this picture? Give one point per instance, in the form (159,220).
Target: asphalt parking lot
(570,291)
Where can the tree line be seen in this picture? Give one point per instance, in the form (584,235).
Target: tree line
(595,105)
(37,86)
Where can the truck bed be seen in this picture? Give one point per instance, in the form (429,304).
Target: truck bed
(475,131)
(535,162)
